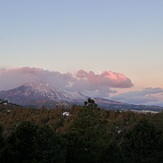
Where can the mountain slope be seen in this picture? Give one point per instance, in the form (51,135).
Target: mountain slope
(40,92)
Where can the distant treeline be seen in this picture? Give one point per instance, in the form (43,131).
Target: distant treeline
(82,134)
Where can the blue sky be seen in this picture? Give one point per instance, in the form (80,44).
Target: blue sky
(69,35)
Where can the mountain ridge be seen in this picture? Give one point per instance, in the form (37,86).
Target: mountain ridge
(39,94)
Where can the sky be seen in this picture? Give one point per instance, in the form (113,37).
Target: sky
(110,48)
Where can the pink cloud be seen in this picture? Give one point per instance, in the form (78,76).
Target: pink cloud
(107,78)
(81,81)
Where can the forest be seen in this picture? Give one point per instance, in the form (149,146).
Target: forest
(81,134)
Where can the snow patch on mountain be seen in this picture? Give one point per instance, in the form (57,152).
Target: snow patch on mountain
(40,90)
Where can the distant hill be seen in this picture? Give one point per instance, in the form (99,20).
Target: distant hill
(39,94)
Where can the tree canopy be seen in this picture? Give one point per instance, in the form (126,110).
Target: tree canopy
(85,134)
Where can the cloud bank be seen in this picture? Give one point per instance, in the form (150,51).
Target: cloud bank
(88,83)
(106,78)
(82,81)
(148,96)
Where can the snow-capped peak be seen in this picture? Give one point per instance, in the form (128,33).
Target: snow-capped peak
(40,91)
(39,84)
(46,90)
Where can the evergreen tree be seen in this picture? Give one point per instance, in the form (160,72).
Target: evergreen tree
(89,138)
(50,147)
(143,144)
(20,144)
(34,144)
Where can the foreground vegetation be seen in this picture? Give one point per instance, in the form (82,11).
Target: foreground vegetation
(82,134)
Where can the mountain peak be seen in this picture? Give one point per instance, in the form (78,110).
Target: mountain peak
(39,91)
(39,86)
(37,83)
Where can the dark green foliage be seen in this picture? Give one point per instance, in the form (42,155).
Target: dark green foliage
(143,144)
(50,147)
(90,103)
(2,143)
(88,134)
(32,144)
(90,139)
(1,137)
(20,144)
(111,153)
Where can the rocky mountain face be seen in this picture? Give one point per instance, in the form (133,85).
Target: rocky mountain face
(39,94)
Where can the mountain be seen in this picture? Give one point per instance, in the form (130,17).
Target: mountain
(39,93)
